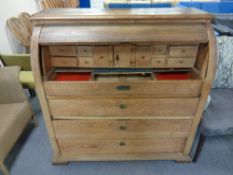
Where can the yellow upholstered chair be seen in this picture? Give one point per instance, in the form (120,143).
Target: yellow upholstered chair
(22,60)
(15,111)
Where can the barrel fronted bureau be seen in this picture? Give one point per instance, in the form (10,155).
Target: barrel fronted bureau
(122,84)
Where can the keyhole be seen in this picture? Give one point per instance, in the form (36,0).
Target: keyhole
(117,58)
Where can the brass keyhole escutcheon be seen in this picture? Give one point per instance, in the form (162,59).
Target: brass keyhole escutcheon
(122,144)
(123,127)
(117,58)
(123,106)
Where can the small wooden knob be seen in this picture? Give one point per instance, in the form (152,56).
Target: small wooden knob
(123,127)
(122,144)
(123,106)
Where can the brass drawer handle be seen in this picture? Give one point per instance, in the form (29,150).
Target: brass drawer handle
(123,127)
(123,88)
(123,106)
(122,144)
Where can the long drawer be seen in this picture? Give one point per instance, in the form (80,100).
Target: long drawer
(185,88)
(118,129)
(123,106)
(120,146)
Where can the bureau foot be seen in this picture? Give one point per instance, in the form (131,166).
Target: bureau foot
(184,159)
(59,162)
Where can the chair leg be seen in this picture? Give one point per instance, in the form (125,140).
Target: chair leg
(4,169)
(35,121)
(199,147)
(32,93)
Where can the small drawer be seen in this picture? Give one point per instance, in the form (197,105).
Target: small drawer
(181,62)
(62,50)
(85,51)
(64,61)
(183,51)
(85,61)
(143,56)
(102,56)
(158,62)
(159,50)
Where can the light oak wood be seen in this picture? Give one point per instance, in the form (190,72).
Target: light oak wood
(143,56)
(152,33)
(120,146)
(85,51)
(185,88)
(181,62)
(35,61)
(85,61)
(62,50)
(64,61)
(123,115)
(103,55)
(123,106)
(159,51)
(183,51)
(117,129)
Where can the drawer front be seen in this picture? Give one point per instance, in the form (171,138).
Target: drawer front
(85,51)
(85,61)
(123,56)
(62,50)
(64,61)
(183,51)
(164,107)
(158,62)
(118,146)
(159,51)
(102,56)
(143,56)
(181,62)
(187,88)
(117,129)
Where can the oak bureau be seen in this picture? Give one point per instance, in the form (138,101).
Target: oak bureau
(122,84)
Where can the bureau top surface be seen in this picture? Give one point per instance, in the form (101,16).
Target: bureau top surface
(65,15)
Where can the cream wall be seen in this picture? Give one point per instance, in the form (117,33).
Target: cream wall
(8,8)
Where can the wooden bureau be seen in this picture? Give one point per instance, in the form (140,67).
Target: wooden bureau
(122,84)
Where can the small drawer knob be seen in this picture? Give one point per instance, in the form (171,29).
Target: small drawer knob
(181,62)
(183,51)
(122,144)
(123,127)
(123,106)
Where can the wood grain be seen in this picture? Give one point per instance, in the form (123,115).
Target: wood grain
(123,106)
(116,129)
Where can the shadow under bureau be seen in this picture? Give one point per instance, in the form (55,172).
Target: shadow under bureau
(122,84)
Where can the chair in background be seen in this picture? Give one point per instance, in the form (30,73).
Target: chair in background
(24,17)
(218,117)
(15,110)
(20,31)
(71,3)
(47,4)
(25,76)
